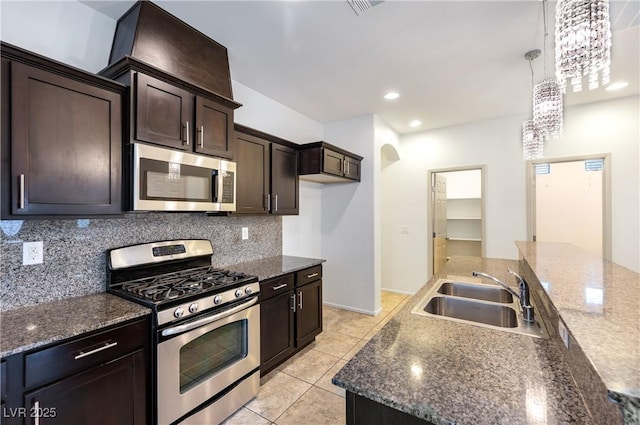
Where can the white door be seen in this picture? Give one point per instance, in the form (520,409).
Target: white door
(569,203)
(439,223)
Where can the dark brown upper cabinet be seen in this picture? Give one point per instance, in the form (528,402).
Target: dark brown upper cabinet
(61,139)
(171,116)
(322,162)
(267,173)
(180,82)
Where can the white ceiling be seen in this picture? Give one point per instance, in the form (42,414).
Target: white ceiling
(451,61)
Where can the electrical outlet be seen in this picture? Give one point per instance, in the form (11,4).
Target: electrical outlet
(245,233)
(32,253)
(563,332)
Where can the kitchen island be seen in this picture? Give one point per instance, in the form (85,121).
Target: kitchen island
(443,372)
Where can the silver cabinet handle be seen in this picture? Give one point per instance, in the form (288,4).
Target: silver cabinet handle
(293,298)
(275,202)
(275,288)
(344,166)
(186,126)
(268,202)
(21,191)
(97,350)
(201,130)
(36,416)
(347,164)
(309,276)
(300,300)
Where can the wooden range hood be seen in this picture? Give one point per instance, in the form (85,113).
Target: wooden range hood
(148,35)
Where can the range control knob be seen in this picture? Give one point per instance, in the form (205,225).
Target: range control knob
(217,299)
(248,290)
(239,293)
(193,308)
(179,312)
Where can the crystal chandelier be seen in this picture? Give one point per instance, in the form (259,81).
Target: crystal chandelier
(583,42)
(547,96)
(547,109)
(532,142)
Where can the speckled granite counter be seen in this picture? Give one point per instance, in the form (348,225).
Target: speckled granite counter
(446,372)
(599,301)
(27,328)
(269,267)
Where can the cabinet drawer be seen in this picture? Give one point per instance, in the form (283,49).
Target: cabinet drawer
(308,275)
(70,357)
(272,287)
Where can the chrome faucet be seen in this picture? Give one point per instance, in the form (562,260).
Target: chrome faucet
(525,301)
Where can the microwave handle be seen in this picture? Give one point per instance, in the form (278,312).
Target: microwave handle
(215,185)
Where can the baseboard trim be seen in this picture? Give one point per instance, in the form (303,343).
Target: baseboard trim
(357,310)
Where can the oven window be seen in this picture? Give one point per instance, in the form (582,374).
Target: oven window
(212,352)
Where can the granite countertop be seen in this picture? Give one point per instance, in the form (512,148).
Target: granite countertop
(447,372)
(599,302)
(31,327)
(269,267)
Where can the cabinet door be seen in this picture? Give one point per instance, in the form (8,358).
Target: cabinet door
(352,168)
(214,124)
(332,162)
(276,331)
(66,141)
(251,155)
(284,180)
(309,312)
(114,393)
(164,113)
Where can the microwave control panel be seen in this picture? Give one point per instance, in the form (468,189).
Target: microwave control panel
(228,180)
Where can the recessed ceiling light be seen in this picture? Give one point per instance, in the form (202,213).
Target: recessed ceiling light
(415,123)
(617,86)
(392,95)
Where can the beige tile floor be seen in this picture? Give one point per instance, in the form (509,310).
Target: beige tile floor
(300,390)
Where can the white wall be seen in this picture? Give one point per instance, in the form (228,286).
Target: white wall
(596,128)
(348,231)
(69,32)
(613,127)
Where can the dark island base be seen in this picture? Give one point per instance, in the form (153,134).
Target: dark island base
(363,411)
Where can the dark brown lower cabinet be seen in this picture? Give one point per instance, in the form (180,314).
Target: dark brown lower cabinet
(101,377)
(113,393)
(308,313)
(363,411)
(290,315)
(276,331)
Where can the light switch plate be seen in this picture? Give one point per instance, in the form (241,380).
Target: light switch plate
(32,253)
(245,233)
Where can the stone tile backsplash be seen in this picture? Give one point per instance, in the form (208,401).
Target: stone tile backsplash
(75,250)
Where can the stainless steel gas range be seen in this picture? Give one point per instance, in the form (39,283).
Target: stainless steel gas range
(206,329)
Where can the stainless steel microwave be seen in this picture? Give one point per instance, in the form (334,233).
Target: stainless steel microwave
(172,180)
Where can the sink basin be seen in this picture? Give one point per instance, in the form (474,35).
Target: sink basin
(478,304)
(489,314)
(476,291)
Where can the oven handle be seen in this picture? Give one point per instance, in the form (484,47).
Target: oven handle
(206,320)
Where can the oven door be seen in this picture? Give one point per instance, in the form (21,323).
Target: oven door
(200,358)
(172,180)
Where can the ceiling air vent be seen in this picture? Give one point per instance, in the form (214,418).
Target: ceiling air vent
(361,6)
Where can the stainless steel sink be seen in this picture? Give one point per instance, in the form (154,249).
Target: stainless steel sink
(478,304)
(476,291)
(489,314)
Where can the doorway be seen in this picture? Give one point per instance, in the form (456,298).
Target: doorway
(570,201)
(457,211)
